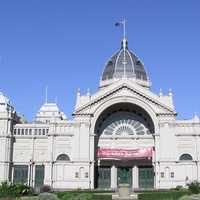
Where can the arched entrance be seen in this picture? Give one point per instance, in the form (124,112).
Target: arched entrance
(124,147)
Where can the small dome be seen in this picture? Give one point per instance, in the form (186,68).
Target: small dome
(5,104)
(4,99)
(124,64)
(49,112)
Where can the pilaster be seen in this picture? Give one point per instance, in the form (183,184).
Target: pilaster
(113,177)
(135,178)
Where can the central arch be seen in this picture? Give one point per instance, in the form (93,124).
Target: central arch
(115,123)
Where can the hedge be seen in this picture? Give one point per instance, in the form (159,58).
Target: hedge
(169,195)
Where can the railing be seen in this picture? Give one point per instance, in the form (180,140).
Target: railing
(30,131)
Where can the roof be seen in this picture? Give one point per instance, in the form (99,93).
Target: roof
(49,107)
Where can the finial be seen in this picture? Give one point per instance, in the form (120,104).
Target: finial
(79,92)
(56,99)
(46,94)
(88,92)
(124,43)
(196,118)
(161,92)
(170,92)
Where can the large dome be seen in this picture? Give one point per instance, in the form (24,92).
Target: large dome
(124,64)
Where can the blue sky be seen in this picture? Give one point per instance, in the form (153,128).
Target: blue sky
(65,45)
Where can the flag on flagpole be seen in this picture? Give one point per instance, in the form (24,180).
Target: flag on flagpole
(120,23)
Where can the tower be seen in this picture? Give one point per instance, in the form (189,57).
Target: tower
(8,118)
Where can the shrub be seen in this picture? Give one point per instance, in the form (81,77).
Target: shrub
(14,190)
(22,189)
(5,189)
(178,187)
(49,196)
(45,188)
(194,187)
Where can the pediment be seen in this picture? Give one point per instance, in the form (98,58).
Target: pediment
(125,89)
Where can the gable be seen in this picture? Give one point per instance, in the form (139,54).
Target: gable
(125,90)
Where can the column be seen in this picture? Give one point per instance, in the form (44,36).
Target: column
(92,176)
(12,178)
(135,179)
(33,175)
(48,174)
(29,175)
(113,177)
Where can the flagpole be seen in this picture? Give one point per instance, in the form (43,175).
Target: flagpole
(124,33)
(124,28)
(46,94)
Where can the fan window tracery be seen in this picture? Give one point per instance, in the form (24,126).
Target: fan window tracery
(185,157)
(63,157)
(123,123)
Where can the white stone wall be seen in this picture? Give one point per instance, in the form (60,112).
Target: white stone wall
(26,149)
(178,138)
(71,139)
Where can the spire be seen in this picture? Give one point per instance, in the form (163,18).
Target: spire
(78,94)
(46,94)
(88,92)
(196,118)
(56,99)
(161,92)
(170,92)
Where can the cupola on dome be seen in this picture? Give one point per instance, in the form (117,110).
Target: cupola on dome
(124,64)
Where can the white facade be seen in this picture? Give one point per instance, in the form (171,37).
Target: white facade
(123,114)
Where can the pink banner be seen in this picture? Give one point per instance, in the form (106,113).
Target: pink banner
(143,153)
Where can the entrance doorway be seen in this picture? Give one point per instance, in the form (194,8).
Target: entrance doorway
(104,177)
(124,175)
(146,177)
(39,175)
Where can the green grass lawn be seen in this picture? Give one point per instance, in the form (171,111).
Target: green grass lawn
(66,196)
(167,195)
(94,195)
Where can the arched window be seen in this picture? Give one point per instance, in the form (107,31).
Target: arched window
(185,156)
(63,157)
